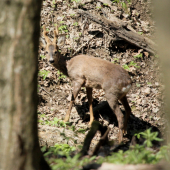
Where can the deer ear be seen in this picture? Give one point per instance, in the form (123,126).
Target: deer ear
(42,43)
(61,40)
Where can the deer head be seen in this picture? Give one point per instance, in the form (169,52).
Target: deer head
(51,46)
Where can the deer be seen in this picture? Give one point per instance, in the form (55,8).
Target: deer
(92,72)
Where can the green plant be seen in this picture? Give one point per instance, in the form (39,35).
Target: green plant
(38,87)
(164,153)
(71,163)
(40,120)
(61,75)
(61,22)
(57,122)
(43,73)
(98,7)
(105,4)
(54,2)
(139,153)
(132,63)
(138,56)
(115,60)
(58,149)
(63,149)
(72,128)
(129,1)
(123,4)
(42,115)
(140,33)
(149,83)
(116,1)
(76,1)
(125,66)
(82,130)
(47,29)
(149,136)
(76,38)
(42,56)
(75,24)
(72,15)
(137,85)
(63,28)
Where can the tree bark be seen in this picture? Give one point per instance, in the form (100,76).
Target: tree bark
(163,34)
(19,38)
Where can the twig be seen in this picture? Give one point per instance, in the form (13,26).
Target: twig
(46,92)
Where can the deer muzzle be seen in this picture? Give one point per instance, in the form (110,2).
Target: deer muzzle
(51,61)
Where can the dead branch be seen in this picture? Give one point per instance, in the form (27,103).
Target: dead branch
(121,30)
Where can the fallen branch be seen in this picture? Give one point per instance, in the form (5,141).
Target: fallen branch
(121,30)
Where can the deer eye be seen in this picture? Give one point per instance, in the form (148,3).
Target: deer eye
(55,52)
(46,52)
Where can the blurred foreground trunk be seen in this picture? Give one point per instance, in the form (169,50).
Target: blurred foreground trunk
(19,37)
(163,32)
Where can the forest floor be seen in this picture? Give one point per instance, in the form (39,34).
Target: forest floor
(54,89)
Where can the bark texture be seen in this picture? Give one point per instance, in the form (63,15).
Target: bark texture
(19,37)
(163,34)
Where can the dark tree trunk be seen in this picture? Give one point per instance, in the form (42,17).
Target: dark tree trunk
(19,37)
(163,35)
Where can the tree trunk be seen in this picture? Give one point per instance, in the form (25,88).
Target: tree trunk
(163,35)
(19,37)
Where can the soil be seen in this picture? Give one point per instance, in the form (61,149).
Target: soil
(145,96)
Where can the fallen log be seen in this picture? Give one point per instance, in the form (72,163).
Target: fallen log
(122,31)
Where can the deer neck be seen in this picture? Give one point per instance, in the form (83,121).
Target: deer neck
(61,63)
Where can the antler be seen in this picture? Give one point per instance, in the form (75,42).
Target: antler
(55,35)
(45,34)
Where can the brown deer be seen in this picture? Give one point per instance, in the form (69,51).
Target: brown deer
(91,72)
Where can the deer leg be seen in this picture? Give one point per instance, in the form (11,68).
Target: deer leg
(76,89)
(113,103)
(128,112)
(120,119)
(89,96)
